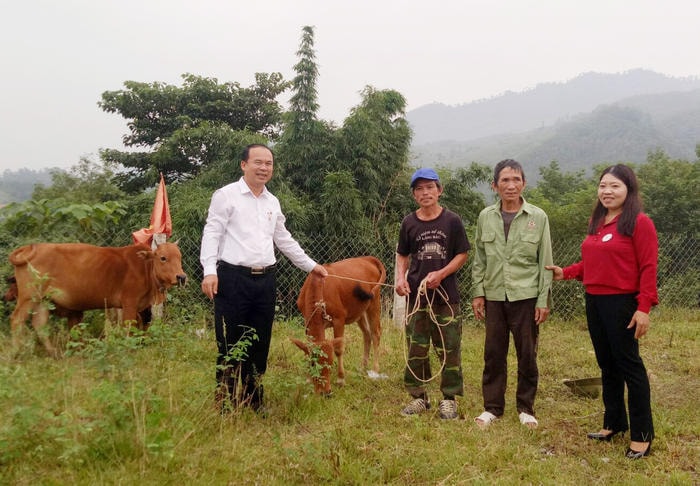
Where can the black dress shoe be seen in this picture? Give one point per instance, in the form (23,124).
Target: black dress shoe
(632,454)
(603,437)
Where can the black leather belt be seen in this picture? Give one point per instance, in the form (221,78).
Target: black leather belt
(248,270)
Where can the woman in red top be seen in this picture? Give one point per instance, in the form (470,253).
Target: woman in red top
(618,269)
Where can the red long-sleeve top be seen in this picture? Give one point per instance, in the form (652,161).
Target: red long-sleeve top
(612,263)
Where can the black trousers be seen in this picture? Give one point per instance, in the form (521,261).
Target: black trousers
(617,353)
(503,319)
(244,309)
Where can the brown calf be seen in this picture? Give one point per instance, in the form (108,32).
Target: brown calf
(350,293)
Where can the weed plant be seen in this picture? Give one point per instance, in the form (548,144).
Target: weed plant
(139,409)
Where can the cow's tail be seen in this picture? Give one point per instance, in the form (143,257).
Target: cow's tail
(361,294)
(382,276)
(22,255)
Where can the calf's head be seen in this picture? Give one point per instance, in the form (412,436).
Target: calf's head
(320,361)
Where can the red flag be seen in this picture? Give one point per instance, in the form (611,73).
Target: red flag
(160,218)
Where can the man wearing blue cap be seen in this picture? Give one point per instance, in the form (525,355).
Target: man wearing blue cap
(432,247)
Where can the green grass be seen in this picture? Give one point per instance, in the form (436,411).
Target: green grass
(139,410)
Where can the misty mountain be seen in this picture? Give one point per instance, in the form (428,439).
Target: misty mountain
(592,119)
(18,185)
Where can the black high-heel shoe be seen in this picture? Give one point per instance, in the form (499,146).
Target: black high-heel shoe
(632,454)
(604,437)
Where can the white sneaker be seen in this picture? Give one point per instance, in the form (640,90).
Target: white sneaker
(419,405)
(448,409)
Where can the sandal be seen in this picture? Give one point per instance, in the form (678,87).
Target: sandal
(528,420)
(485,419)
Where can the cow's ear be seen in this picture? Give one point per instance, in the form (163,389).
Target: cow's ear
(301,345)
(145,254)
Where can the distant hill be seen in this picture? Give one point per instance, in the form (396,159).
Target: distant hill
(593,118)
(18,185)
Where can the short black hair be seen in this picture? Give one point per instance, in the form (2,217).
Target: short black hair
(511,164)
(246,151)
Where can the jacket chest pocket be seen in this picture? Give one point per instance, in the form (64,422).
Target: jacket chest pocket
(529,245)
(488,240)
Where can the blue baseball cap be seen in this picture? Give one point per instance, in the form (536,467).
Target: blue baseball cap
(424,173)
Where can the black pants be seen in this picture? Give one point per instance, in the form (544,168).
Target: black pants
(244,309)
(503,319)
(617,353)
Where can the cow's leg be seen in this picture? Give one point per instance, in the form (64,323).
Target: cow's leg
(130,316)
(17,320)
(39,321)
(374,319)
(363,323)
(339,347)
(146,316)
(74,318)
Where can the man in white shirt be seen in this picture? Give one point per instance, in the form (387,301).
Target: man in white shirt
(244,224)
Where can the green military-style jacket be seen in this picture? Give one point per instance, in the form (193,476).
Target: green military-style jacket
(513,268)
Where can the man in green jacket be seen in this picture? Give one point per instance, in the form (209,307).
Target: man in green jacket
(511,289)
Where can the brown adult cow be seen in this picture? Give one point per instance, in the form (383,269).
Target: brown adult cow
(73,317)
(77,277)
(350,293)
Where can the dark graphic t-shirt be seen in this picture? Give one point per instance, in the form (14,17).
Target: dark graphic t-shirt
(431,245)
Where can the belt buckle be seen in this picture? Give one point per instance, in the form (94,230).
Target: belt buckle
(257,270)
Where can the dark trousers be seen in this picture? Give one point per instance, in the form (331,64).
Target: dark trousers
(502,319)
(244,309)
(617,353)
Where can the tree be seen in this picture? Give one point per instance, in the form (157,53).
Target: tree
(374,143)
(61,220)
(304,148)
(555,185)
(669,190)
(304,101)
(187,128)
(461,194)
(567,198)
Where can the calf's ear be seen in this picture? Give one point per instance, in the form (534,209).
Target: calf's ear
(144,254)
(301,345)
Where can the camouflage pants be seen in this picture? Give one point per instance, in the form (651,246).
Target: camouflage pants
(446,339)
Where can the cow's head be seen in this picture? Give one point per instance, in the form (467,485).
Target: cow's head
(167,264)
(320,361)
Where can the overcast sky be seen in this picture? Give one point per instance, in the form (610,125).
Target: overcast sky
(58,56)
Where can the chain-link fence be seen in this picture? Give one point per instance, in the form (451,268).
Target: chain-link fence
(678,280)
(679,261)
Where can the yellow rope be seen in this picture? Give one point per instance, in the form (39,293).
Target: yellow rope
(423,291)
(360,281)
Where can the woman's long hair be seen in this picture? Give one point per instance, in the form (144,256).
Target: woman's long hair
(630,208)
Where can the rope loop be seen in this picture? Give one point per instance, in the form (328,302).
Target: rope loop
(423,292)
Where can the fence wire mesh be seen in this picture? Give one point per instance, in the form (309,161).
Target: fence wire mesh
(679,261)
(678,280)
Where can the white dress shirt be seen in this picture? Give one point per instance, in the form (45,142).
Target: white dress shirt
(243,229)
